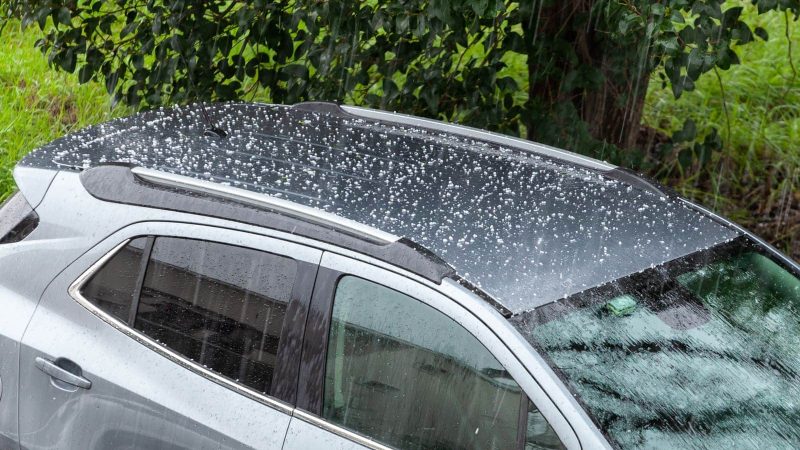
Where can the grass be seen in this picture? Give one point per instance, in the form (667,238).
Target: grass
(39,104)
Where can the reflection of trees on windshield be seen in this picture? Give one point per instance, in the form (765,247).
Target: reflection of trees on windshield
(707,356)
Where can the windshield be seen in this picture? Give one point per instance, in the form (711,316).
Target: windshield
(703,351)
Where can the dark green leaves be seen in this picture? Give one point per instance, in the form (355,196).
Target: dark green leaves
(766,5)
(63,16)
(708,40)
(687,133)
(537,66)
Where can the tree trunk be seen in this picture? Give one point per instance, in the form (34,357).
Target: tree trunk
(612,108)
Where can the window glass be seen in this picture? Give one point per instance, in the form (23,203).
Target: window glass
(538,433)
(17,219)
(219,305)
(402,373)
(700,352)
(112,288)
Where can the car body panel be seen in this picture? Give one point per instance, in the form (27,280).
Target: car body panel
(33,182)
(138,398)
(23,278)
(308,431)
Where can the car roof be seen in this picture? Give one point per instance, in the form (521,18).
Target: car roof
(527,223)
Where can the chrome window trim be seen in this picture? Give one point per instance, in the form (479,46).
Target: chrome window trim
(475,133)
(337,430)
(74,292)
(263,200)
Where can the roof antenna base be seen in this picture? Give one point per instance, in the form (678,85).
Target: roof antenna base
(214,132)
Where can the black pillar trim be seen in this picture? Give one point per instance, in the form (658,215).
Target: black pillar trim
(522,424)
(315,342)
(290,347)
(137,292)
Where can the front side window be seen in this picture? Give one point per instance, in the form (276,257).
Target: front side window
(404,374)
(218,305)
(701,352)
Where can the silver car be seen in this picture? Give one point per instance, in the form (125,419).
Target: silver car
(322,276)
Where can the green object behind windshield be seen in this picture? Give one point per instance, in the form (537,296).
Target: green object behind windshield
(708,355)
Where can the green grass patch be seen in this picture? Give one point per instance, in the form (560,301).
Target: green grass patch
(39,104)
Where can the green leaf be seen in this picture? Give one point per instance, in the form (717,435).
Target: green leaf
(85,74)
(686,158)
(137,61)
(676,16)
(731,16)
(742,33)
(687,133)
(657,10)
(41,16)
(66,60)
(669,44)
(401,23)
(479,7)
(762,33)
(296,70)
(726,57)
(766,5)
(683,84)
(688,35)
(694,65)
(64,16)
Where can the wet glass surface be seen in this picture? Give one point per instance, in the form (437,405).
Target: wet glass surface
(113,287)
(404,374)
(703,352)
(220,306)
(526,228)
(17,219)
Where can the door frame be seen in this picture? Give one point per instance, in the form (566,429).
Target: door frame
(284,387)
(332,268)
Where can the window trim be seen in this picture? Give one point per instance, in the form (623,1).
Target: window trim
(338,430)
(312,373)
(285,375)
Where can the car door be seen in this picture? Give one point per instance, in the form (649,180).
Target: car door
(392,363)
(168,336)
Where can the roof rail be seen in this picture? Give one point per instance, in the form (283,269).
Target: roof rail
(263,200)
(618,173)
(475,133)
(641,182)
(133,185)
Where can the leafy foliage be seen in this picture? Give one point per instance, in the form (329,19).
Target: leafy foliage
(572,73)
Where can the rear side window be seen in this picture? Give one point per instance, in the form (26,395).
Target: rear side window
(17,219)
(404,374)
(113,287)
(218,305)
